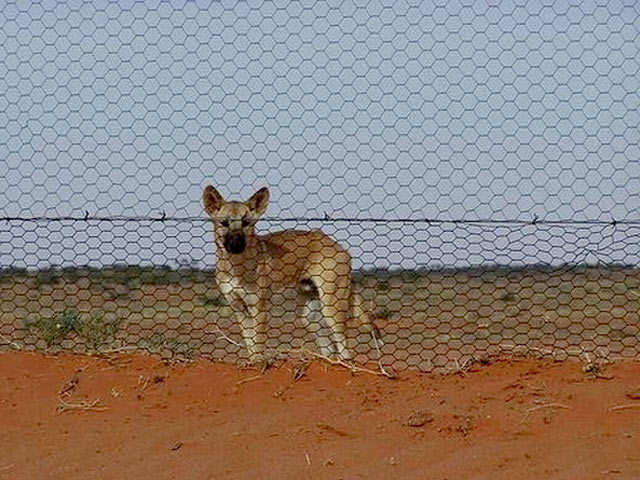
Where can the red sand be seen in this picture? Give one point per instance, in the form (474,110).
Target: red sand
(513,419)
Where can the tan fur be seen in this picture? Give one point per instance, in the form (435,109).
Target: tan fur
(287,258)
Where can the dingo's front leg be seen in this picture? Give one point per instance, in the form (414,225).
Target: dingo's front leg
(254,330)
(250,328)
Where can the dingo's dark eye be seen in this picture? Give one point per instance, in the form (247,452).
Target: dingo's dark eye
(245,222)
(225,223)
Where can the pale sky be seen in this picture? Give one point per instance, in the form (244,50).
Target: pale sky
(364,109)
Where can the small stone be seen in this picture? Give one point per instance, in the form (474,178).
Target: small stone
(419,418)
(633,393)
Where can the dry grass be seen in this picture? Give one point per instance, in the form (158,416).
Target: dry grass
(66,392)
(85,405)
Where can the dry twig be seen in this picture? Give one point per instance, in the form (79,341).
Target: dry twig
(279,353)
(227,338)
(384,372)
(546,405)
(114,351)
(299,370)
(143,383)
(8,341)
(68,387)
(627,406)
(338,361)
(249,379)
(94,405)
(461,368)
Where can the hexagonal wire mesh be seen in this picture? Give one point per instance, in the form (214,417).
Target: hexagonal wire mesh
(365,119)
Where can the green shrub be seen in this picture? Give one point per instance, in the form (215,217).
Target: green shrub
(96,329)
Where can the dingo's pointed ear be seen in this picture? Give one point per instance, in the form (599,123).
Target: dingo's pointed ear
(212,200)
(259,201)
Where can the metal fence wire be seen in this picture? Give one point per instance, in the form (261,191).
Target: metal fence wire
(432,319)
(477,161)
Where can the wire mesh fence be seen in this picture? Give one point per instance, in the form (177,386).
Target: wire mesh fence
(436,318)
(478,161)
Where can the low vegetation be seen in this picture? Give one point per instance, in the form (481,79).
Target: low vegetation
(96,328)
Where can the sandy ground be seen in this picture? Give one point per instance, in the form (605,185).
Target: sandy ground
(513,418)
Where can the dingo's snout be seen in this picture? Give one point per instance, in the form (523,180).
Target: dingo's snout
(234,242)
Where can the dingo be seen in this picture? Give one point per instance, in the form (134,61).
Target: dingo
(249,265)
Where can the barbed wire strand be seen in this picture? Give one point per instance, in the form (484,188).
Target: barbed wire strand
(406,220)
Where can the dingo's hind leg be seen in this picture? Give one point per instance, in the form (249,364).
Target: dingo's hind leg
(311,317)
(334,289)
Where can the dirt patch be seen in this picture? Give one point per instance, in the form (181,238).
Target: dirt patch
(137,417)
